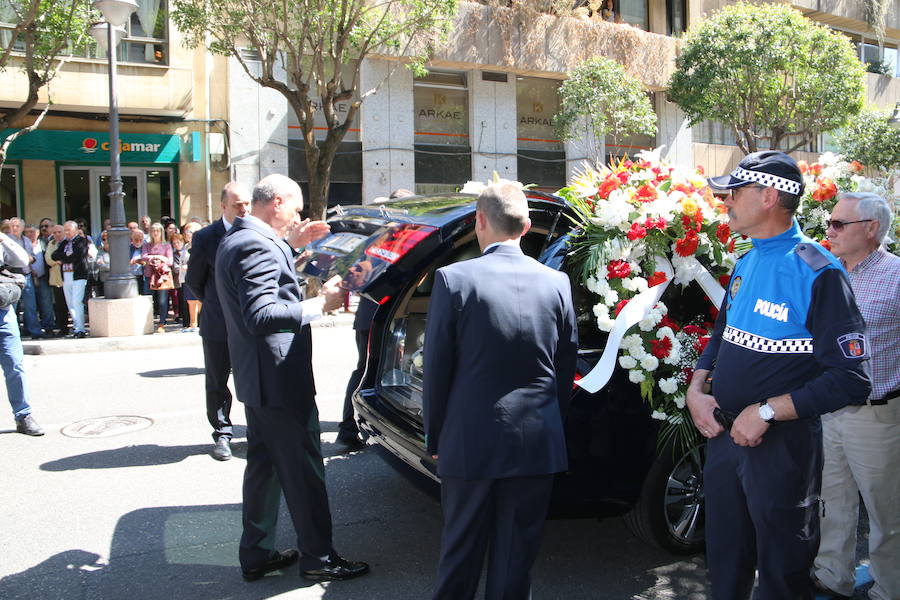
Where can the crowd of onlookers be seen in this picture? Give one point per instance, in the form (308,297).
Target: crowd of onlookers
(69,266)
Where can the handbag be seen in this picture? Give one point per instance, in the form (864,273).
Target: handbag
(11,286)
(162,282)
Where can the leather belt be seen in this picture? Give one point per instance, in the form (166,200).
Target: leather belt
(889,396)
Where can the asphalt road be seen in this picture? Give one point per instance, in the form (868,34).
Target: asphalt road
(149,514)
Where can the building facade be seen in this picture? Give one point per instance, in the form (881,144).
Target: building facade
(172,102)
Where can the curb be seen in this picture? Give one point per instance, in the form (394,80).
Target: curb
(172,339)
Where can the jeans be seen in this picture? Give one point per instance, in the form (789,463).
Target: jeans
(11,361)
(28,305)
(45,303)
(74,291)
(162,301)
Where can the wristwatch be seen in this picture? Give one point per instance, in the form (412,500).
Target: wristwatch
(766,412)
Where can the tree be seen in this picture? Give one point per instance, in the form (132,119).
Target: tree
(770,74)
(44,34)
(320,45)
(600,98)
(870,139)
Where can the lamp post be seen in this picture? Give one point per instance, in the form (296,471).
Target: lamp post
(120,283)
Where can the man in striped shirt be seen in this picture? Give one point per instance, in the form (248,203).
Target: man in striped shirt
(862,443)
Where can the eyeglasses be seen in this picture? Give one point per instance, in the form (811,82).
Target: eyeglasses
(838,225)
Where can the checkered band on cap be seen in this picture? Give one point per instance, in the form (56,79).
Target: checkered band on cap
(766,345)
(768,180)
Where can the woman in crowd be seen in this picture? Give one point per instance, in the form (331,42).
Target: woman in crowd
(156,256)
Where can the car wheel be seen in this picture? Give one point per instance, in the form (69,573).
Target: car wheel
(670,511)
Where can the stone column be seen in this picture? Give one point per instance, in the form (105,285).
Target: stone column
(673,133)
(258,127)
(386,127)
(583,152)
(492,127)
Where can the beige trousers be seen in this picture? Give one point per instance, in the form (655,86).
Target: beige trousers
(862,457)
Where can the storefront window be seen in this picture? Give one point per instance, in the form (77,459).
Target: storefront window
(676,17)
(9,192)
(443,159)
(541,156)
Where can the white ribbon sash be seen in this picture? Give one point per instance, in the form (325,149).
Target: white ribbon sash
(636,309)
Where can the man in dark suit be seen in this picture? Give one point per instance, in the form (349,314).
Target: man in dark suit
(500,351)
(201,278)
(270,345)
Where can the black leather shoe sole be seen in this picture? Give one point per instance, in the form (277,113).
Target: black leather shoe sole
(352,445)
(334,571)
(282,560)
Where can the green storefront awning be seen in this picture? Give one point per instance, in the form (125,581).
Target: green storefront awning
(93,147)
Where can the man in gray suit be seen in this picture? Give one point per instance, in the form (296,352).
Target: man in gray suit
(270,345)
(500,351)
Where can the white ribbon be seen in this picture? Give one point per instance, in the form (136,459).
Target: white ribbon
(636,309)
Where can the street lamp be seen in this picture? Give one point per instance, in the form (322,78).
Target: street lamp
(120,283)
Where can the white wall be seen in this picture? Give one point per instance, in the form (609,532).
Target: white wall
(674,133)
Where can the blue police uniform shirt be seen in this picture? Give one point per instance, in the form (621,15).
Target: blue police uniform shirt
(788,324)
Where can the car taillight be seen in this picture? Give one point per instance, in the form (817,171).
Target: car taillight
(393,244)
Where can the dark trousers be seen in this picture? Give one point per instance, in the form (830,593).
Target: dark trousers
(217,364)
(507,513)
(284,454)
(348,428)
(762,512)
(60,310)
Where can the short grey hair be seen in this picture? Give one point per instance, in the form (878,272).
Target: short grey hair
(874,207)
(274,185)
(505,206)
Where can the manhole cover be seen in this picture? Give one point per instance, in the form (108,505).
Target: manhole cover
(106,426)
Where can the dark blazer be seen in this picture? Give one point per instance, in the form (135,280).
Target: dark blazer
(271,355)
(201,278)
(78,258)
(500,351)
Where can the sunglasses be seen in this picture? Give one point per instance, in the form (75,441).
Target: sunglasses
(838,225)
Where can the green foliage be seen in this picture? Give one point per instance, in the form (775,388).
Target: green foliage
(600,95)
(870,139)
(44,29)
(769,73)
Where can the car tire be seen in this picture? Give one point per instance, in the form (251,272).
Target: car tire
(670,511)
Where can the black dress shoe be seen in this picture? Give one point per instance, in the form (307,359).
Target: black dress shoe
(276,562)
(823,590)
(352,444)
(336,569)
(222,451)
(29,426)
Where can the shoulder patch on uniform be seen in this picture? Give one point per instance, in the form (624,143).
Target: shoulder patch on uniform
(853,345)
(812,256)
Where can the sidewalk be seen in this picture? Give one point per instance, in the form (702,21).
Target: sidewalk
(173,338)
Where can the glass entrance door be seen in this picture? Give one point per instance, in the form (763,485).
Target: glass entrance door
(85,190)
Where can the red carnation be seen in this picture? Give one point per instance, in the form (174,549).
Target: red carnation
(688,244)
(723,232)
(636,232)
(646,193)
(686,221)
(619,306)
(609,184)
(661,348)
(618,269)
(659,223)
(724,279)
(657,278)
(694,330)
(667,322)
(623,177)
(700,345)
(815,169)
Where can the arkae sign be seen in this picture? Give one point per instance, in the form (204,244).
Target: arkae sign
(84,146)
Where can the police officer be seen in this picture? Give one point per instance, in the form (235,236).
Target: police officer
(789,345)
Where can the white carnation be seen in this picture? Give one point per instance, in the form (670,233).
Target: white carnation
(658,415)
(635,376)
(630,342)
(679,401)
(627,362)
(666,332)
(601,310)
(605,323)
(649,362)
(668,385)
(611,297)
